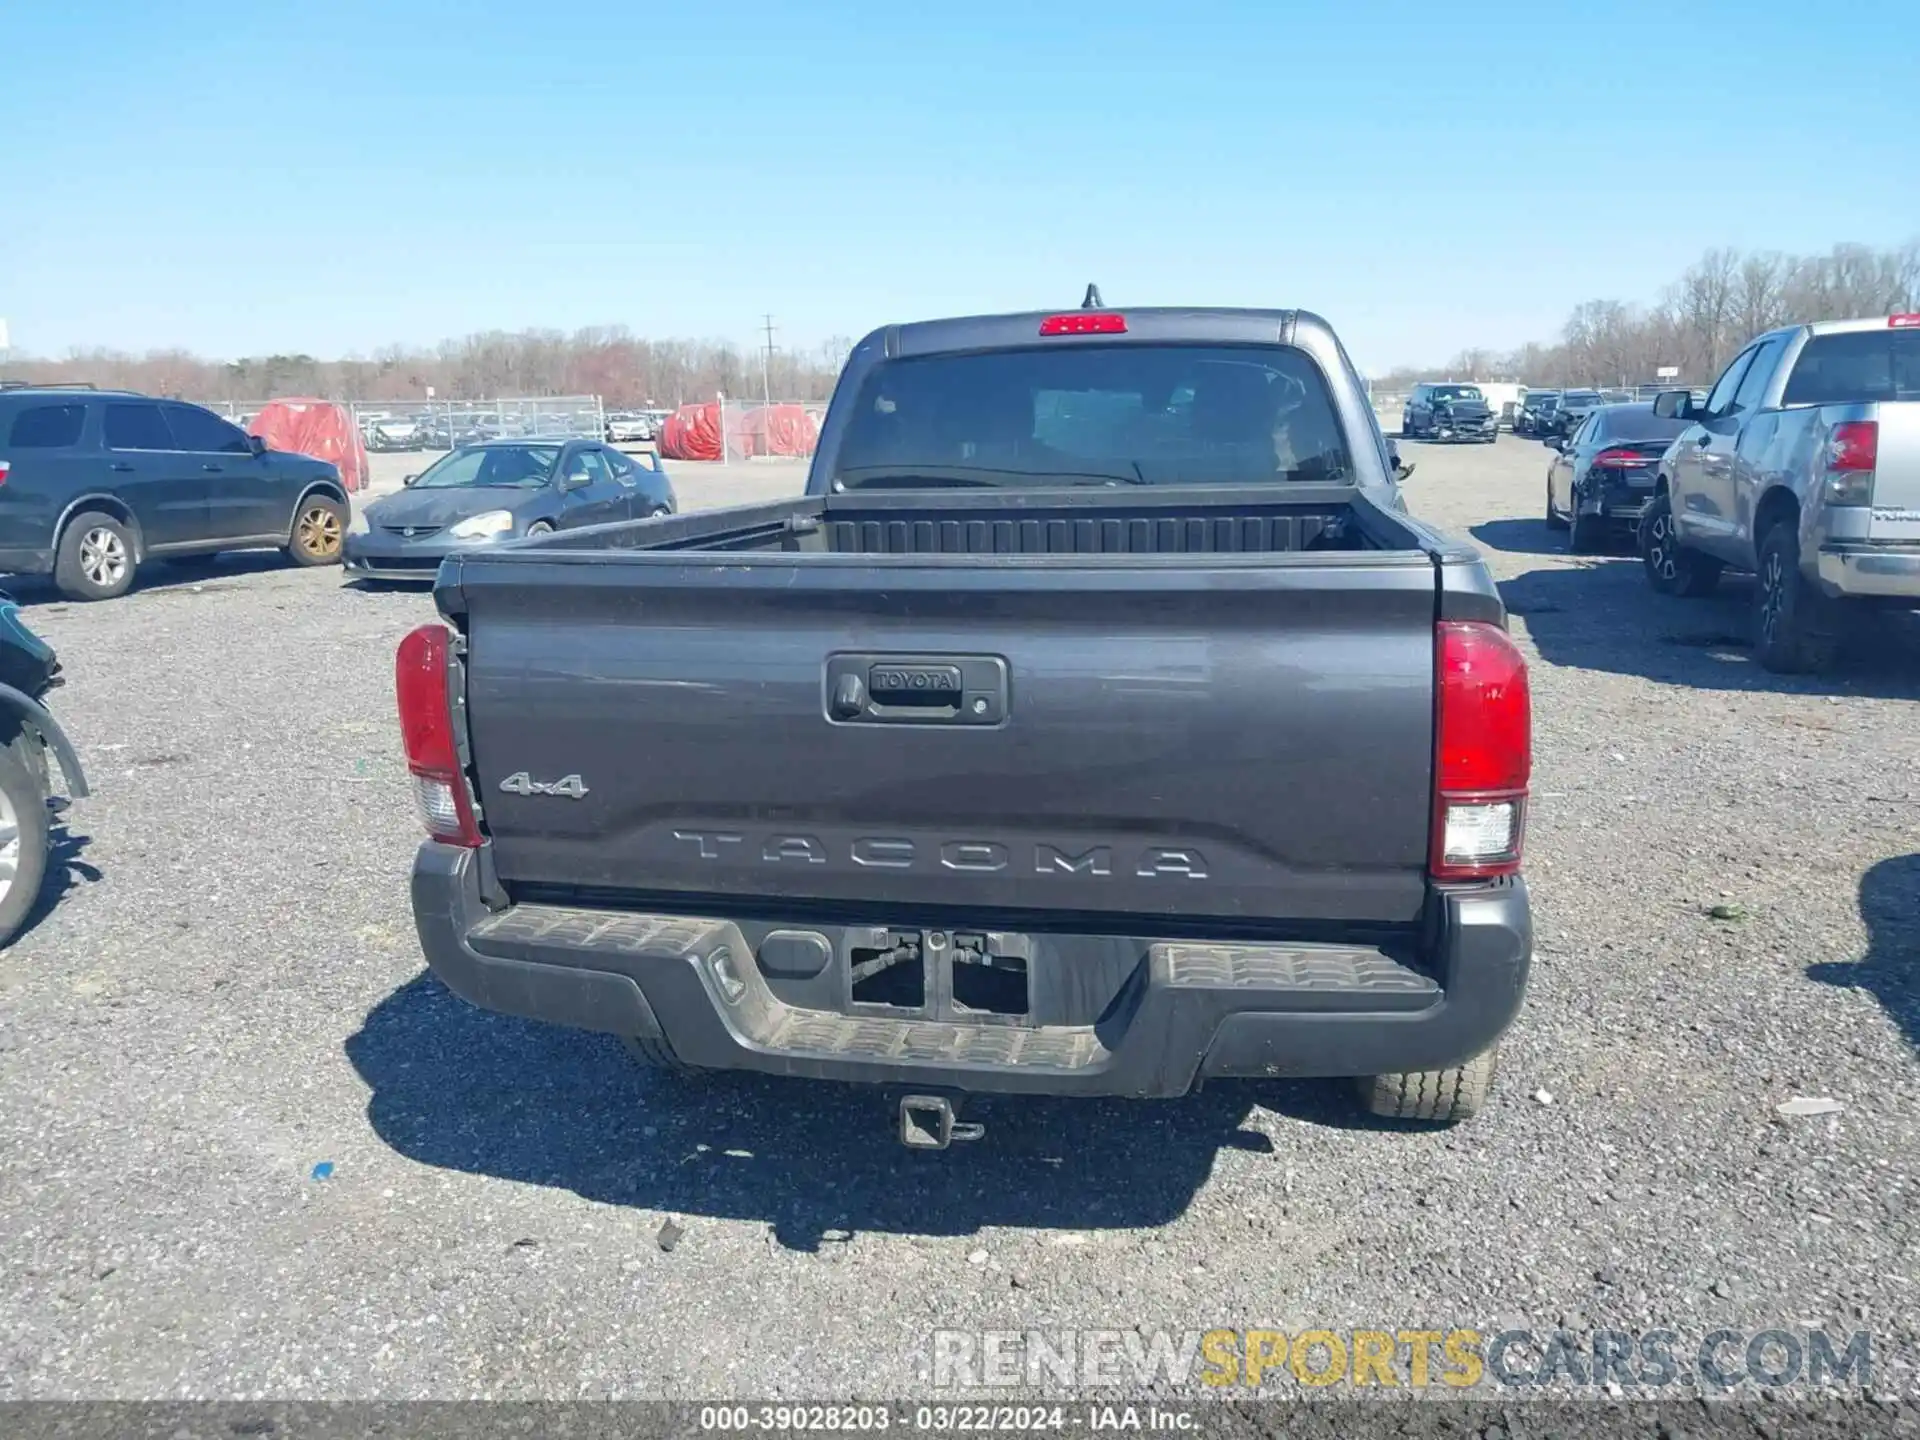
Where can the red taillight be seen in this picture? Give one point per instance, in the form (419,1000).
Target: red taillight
(1483,752)
(1085,322)
(5,466)
(426,728)
(1621,460)
(1853,445)
(1903,322)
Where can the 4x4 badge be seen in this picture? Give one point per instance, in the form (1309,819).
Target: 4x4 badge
(571,786)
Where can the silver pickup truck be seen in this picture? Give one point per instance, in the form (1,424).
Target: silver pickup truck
(1803,466)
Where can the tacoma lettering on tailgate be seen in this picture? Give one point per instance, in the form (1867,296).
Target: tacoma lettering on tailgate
(881,852)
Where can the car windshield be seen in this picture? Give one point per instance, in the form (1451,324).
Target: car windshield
(1457,392)
(1581,397)
(1857,365)
(1637,422)
(1094,414)
(512,467)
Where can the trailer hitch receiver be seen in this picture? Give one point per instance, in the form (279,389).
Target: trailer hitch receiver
(927,1123)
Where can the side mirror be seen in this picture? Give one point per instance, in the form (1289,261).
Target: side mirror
(1674,405)
(256,445)
(578,480)
(1402,469)
(408,479)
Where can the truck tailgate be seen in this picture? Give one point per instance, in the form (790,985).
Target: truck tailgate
(1245,741)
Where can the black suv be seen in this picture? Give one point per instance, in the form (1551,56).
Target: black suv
(93,483)
(1449,412)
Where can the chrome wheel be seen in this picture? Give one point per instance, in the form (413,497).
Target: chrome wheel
(103,557)
(1773,596)
(9,846)
(318,531)
(1660,550)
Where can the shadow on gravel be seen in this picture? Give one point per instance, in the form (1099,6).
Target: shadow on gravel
(487,1094)
(1599,613)
(1532,537)
(163,576)
(65,871)
(1890,970)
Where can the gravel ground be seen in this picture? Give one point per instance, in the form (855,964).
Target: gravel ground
(228,994)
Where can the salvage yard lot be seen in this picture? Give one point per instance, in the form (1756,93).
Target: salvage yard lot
(229,993)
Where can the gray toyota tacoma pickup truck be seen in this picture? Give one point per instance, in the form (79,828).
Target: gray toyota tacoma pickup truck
(1097,723)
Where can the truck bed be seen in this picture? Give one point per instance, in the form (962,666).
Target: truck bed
(1099,521)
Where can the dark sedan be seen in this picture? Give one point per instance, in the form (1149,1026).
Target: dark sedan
(1574,407)
(1602,478)
(501,490)
(1536,412)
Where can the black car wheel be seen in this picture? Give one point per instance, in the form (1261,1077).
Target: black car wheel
(95,559)
(1790,633)
(1673,569)
(23,831)
(1588,532)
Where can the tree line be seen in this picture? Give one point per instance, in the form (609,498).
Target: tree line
(608,361)
(1700,321)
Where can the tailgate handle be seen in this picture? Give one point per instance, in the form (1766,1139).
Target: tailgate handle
(916,689)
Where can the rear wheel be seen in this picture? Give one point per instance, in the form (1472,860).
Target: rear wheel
(1589,532)
(1671,567)
(318,530)
(539,527)
(1792,631)
(23,830)
(95,559)
(1445,1097)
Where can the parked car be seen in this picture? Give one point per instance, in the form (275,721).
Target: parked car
(1803,466)
(859,845)
(628,428)
(1536,414)
(1601,478)
(500,490)
(1449,412)
(1574,406)
(392,433)
(28,735)
(94,484)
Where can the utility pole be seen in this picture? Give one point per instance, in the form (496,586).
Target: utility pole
(766,362)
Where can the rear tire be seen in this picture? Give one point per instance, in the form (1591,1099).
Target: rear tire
(1673,569)
(23,831)
(1589,532)
(1443,1097)
(653,1053)
(539,527)
(95,559)
(1792,632)
(319,532)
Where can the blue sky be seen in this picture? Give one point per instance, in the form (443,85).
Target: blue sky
(237,178)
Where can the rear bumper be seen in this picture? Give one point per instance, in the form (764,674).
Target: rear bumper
(1188,1011)
(1871,571)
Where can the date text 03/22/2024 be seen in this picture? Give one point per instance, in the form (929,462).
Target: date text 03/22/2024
(940,1419)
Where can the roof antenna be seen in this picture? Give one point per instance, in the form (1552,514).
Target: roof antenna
(1093,300)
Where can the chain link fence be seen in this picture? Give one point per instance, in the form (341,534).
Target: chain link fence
(389,425)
